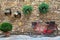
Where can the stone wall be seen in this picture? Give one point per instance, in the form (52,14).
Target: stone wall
(22,23)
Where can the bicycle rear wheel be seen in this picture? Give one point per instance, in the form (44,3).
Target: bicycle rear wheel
(55,32)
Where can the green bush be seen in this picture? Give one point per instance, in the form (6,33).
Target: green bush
(5,27)
(43,8)
(27,9)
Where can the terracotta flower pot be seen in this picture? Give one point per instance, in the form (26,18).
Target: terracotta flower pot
(6,34)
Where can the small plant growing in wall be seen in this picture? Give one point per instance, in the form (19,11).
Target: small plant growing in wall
(43,8)
(6,27)
(27,9)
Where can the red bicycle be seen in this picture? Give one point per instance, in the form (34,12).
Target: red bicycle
(50,28)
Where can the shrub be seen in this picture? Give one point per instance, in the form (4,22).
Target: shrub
(5,27)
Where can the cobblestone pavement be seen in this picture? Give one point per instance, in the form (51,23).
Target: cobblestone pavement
(26,37)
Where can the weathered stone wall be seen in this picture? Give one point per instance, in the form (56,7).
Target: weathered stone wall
(19,24)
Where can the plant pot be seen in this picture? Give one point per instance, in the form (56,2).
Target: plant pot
(8,12)
(6,34)
(17,14)
(6,27)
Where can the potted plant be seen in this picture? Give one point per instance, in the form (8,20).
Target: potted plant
(27,9)
(43,8)
(17,14)
(8,11)
(6,27)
